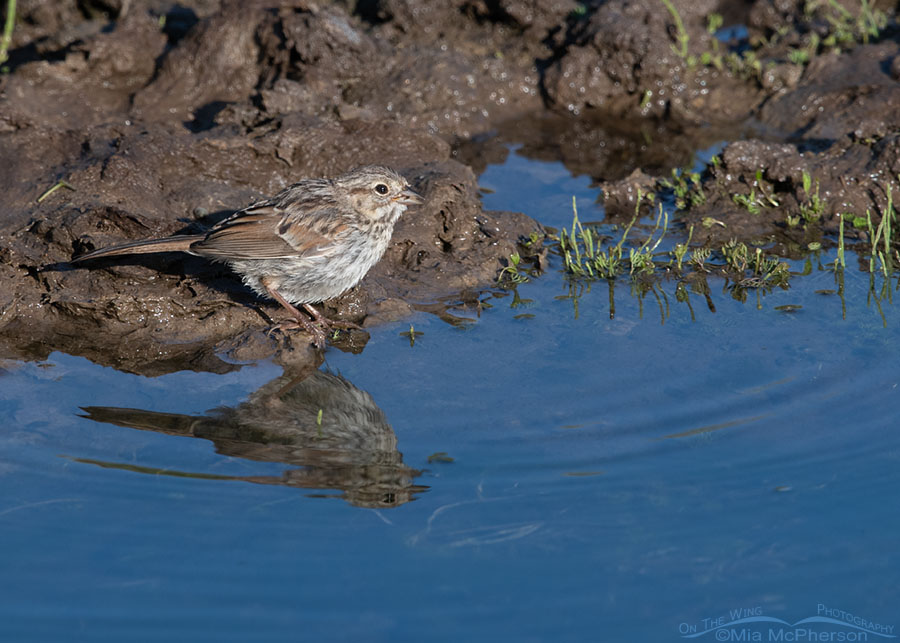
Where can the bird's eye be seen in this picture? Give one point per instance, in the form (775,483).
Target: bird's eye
(381,188)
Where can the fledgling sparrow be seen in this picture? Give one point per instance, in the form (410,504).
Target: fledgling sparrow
(313,241)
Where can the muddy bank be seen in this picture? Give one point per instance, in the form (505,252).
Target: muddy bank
(159,132)
(813,97)
(163,118)
(170,310)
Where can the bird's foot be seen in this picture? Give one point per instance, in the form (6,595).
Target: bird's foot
(318,335)
(345,325)
(329,323)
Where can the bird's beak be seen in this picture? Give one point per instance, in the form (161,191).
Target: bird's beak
(408,197)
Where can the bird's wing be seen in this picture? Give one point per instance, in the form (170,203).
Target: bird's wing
(263,232)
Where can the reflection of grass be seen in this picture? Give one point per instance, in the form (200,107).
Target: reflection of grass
(840,259)
(883,257)
(883,233)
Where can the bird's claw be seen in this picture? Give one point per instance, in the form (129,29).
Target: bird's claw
(318,335)
(345,325)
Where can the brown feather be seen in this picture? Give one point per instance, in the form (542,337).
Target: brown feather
(253,240)
(181,243)
(264,232)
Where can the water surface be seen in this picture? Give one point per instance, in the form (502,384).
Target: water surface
(563,477)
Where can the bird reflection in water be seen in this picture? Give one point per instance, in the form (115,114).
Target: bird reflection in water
(332,431)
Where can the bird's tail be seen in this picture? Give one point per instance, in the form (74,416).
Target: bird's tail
(178,243)
(171,423)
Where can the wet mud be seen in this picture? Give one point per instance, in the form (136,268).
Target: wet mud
(152,118)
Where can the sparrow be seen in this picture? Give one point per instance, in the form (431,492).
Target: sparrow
(331,435)
(313,241)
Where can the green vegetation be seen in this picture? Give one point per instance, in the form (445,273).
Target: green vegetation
(512,273)
(59,184)
(754,202)
(579,11)
(681,34)
(584,256)
(519,268)
(840,255)
(6,39)
(745,64)
(801,56)
(828,26)
(681,250)
(883,233)
(751,268)
(749,201)
(645,254)
(812,209)
(843,27)
(766,191)
(884,258)
(686,188)
(589,256)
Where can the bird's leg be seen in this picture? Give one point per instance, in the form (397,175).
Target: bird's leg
(311,328)
(322,319)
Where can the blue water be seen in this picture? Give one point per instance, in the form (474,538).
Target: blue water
(616,479)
